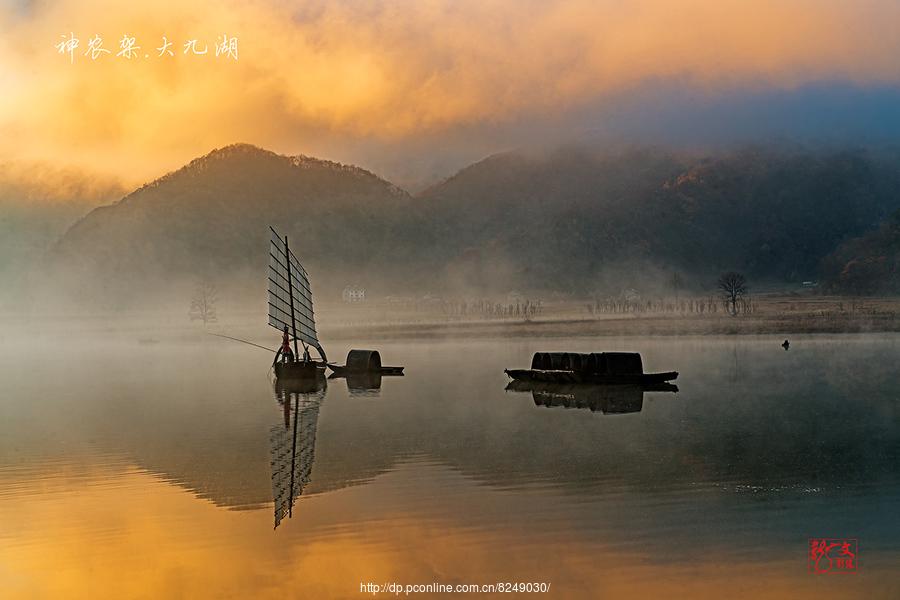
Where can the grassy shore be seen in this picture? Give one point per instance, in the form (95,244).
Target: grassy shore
(770,315)
(773,314)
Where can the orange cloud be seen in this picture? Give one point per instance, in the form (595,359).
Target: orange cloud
(317,70)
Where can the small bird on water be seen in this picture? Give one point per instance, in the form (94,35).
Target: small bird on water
(786,344)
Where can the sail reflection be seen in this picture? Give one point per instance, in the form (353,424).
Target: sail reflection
(293,443)
(605,399)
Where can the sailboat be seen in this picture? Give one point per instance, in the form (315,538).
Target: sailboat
(291,311)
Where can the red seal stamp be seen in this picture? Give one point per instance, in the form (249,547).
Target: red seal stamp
(833,555)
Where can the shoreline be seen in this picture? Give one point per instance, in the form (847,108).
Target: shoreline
(627,326)
(771,315)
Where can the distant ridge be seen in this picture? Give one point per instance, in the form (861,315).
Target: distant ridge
(573,220)
(584,219)
(209,220)
(869,264)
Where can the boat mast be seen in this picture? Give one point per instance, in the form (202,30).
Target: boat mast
(287,259)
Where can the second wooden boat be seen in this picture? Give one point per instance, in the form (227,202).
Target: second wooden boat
(600,368)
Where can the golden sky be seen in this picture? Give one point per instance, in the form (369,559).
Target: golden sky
(320,77)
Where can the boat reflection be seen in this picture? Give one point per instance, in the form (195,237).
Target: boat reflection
(605,399)
(362,383)
(293,444)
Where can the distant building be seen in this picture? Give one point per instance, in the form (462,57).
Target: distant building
(354,293)
(631,295)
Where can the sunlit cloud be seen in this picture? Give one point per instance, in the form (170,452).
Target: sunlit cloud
(313,72)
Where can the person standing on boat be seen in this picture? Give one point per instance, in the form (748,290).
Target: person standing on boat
(287,355)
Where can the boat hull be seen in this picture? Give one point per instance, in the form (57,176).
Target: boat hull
(560,376)
(299,370)
(343,371)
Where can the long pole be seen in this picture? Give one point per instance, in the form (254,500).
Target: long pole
(228,337)
(287,259)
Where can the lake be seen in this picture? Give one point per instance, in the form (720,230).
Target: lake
(176,470)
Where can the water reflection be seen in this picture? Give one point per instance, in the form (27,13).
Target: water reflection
(293,443)
(758,451)
(362,383)
(605,399)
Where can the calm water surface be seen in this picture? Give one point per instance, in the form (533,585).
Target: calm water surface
(175,469)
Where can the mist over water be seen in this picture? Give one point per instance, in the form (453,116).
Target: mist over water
(162,449)
(458,185)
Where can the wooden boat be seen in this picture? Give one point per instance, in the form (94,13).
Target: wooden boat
(521,385)
(343,371)
(599,368)
(590,378)
(299,369)
(291,310)
(364,362)
(305,383)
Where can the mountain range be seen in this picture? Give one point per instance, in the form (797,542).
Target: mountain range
(575,220)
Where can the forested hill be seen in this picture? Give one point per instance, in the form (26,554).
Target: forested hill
(869,264)
(574,220)
(578,219)
(209,220)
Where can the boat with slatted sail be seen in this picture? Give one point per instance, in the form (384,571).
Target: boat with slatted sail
(291,312)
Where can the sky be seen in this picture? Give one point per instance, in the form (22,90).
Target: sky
(414,89)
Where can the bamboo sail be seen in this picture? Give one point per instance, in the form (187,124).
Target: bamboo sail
(290,296)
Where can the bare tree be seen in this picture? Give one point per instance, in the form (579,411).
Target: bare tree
(733,287)
(676,283)
(203,304)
